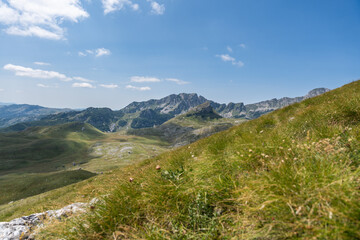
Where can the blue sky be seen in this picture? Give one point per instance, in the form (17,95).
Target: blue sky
(108,53)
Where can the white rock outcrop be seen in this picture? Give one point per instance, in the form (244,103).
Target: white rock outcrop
(21,228)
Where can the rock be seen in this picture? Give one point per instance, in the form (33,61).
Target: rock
(21,228)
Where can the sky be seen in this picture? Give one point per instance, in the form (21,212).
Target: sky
(109,53)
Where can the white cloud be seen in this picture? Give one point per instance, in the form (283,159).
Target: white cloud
(229,48)
(139,79)
(135,7)
(115,5)
(42,63)
(228,58)
(242,45)
(81,79)
(102,52)
(177,81)
(34,31)
(81,54)
(46,86)
(238,63)
(40,18)
(35,73)
(42,74)
(1,90)
(138,88)
(42,85)
(156,8)
(109,86)
(97,52)
(82,85)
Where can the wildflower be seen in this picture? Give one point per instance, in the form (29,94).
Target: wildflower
(295,159)
(349,140)
(261,131)
(158,167)
(131,179)
(250,150)
(281,148)
(289,149)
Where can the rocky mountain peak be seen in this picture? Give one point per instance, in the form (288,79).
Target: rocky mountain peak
(203,111)
(315,92)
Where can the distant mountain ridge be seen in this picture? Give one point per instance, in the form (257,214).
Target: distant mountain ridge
(181,103)
(155,112)
(11,114)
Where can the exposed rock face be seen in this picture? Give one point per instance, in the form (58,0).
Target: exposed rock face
(22,228)
(203,111)
(315,92)
(231,110)
(257,109)
(172,104)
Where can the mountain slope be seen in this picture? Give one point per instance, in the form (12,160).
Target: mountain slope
(16,113)
(199,122)
(290,174)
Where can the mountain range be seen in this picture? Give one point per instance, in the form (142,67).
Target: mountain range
(138,114)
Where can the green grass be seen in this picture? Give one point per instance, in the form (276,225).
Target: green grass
(19,186)
(33,176)
(291,174)
(41,159)
(46,149)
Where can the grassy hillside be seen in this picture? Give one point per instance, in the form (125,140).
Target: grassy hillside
(19,186)
(40,159)
(45,149)
(290,174)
